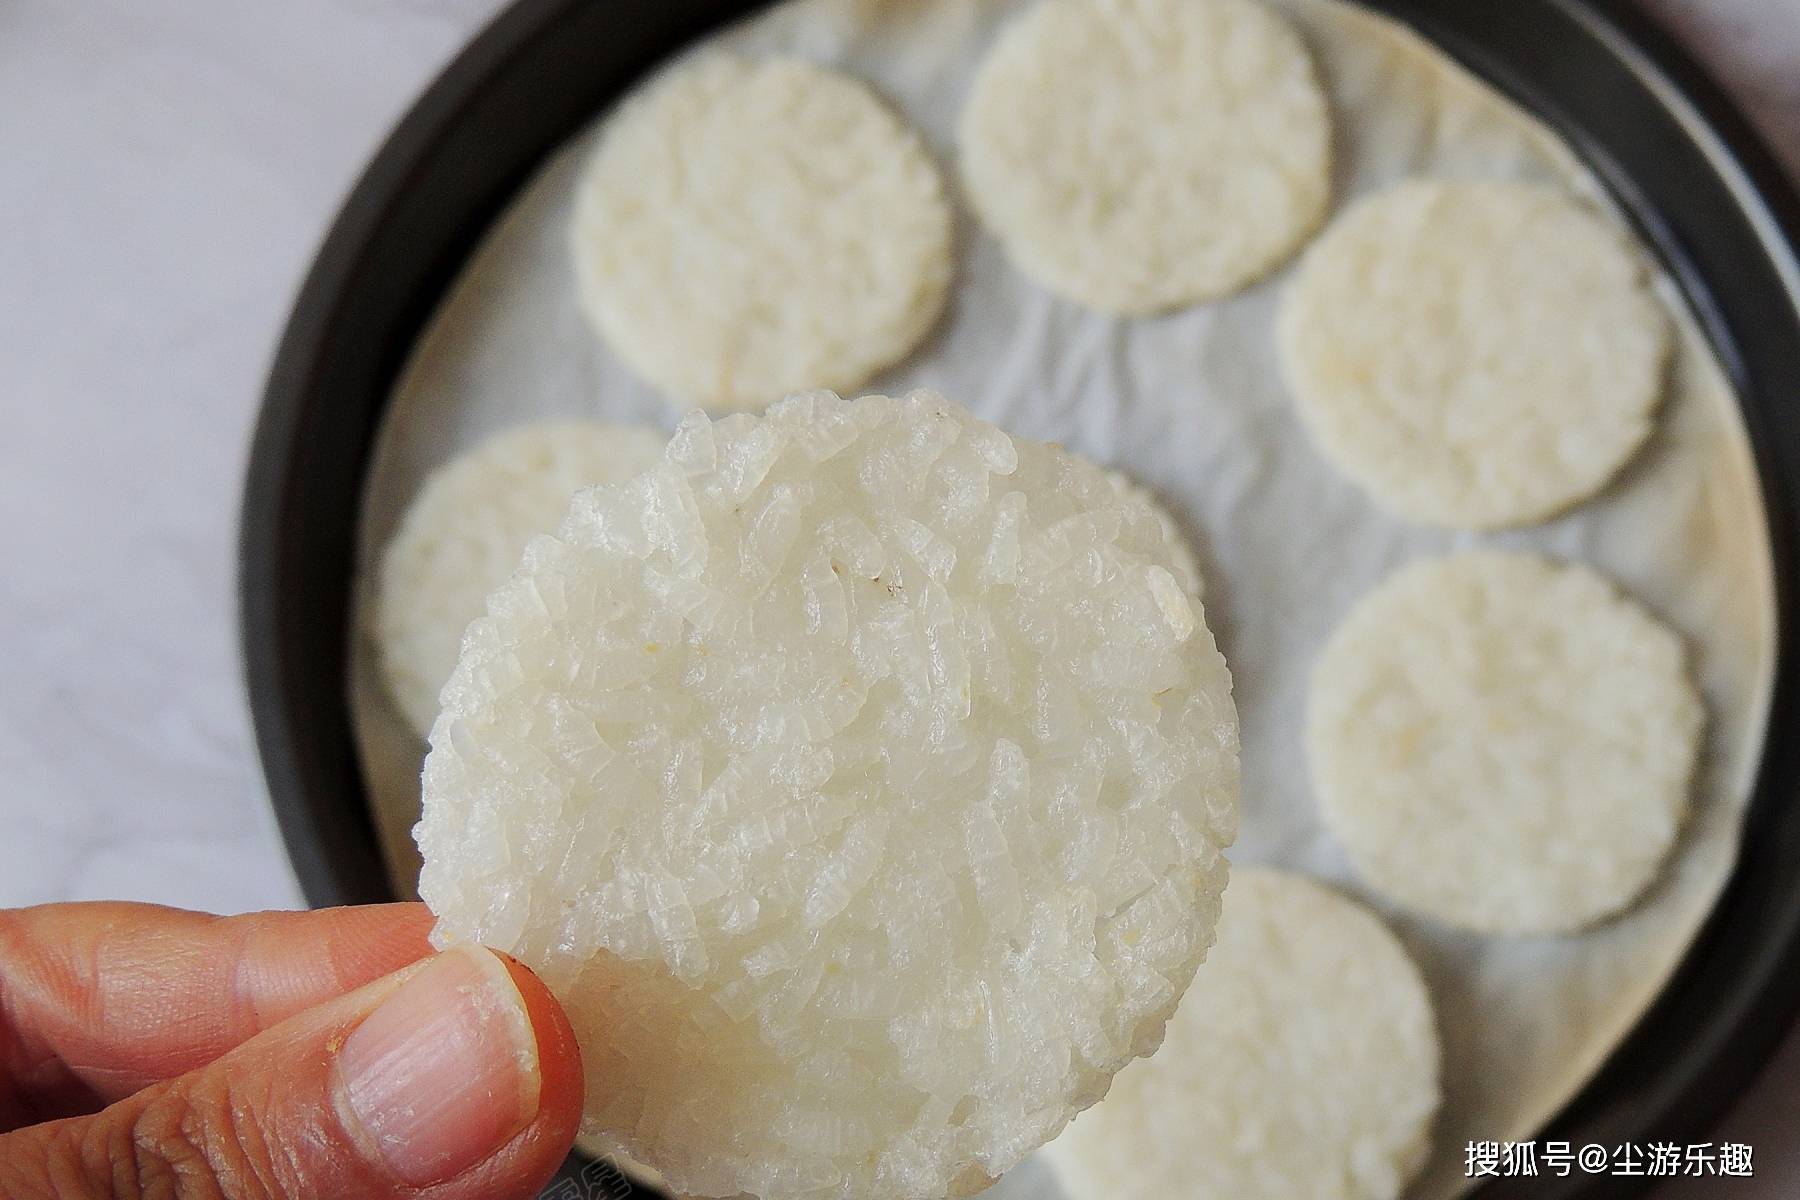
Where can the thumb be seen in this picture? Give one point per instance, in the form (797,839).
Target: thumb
(455,1078)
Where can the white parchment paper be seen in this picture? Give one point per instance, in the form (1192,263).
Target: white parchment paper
(1192,405)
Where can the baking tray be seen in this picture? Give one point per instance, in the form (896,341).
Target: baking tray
(1680,161)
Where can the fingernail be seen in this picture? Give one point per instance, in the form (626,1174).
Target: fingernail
(444,1072)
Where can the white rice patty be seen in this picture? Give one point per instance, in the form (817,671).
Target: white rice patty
(750,228)
(1304,994)
(462,534)
(1137,156)
(1475,354)
(1503,742)
(858,710)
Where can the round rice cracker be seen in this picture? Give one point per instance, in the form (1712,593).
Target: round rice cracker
(1503,742)
(858,779)
(1303,1062)
(462,535)
(1137,156)
(748,229)
(1474,354)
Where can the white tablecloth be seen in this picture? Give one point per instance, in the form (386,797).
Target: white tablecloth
(166,172)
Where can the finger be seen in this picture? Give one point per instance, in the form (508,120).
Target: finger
(455,1079)
(100,1000)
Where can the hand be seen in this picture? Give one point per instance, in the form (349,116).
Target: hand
(149,1052)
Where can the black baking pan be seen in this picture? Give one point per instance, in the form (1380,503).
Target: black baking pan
(1680,161)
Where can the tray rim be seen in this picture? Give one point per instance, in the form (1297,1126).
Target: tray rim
(307,756)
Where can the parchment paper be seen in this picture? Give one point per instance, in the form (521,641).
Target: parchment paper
(1192,405)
